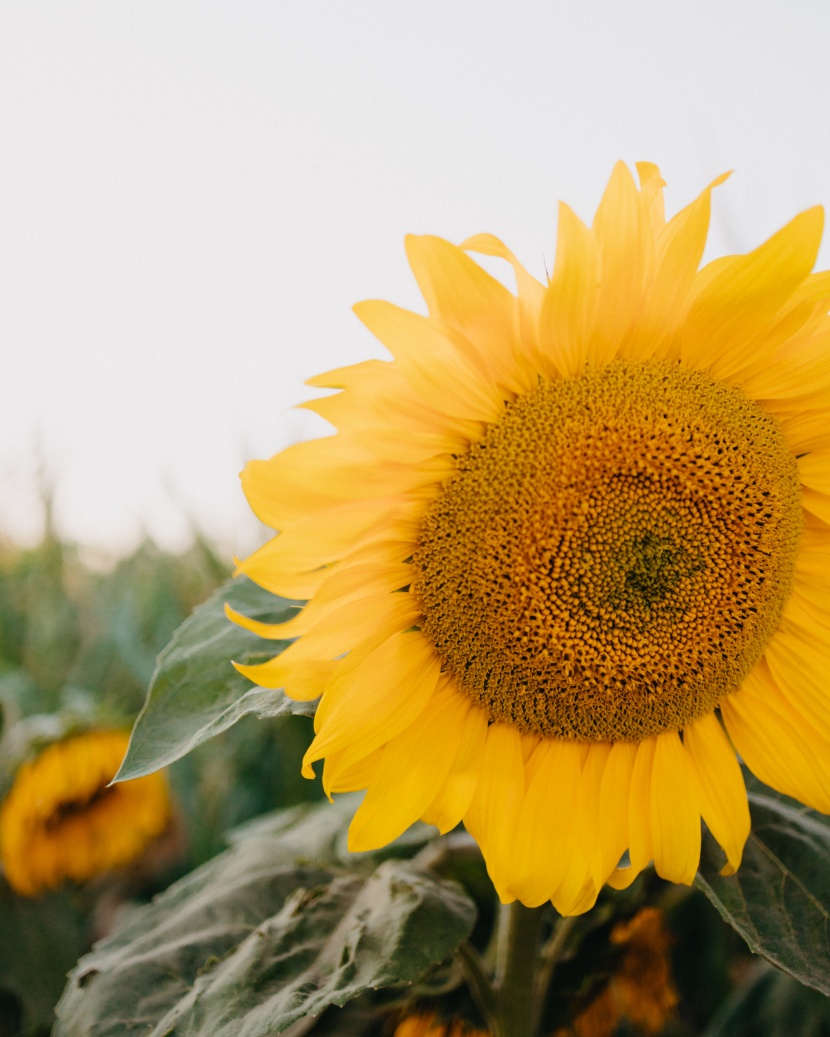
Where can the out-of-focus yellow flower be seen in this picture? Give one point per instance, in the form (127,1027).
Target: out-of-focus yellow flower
(428,1025)
(641,989)
(62,819)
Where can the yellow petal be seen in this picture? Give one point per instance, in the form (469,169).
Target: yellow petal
(296,585)
(733,308)
(794,374)
(723,801)
(640,837)
(412,769)
(623,250)
(583,900)
(383,414)
(270,631)
(337,778)
(374,701)
(568,312)
(799,669)
(814,470)
(305,677)
(675,811)
(808,594)
(532,361)
(466,298)
(494,810)
(431,362)
(324,538)
(306,681)
(651,196)
(548,835)
(805,429)
(324,473)
(614,797)
(578,888)
(341,631)
(528,287)
(454,797)
(590,808)
(678,252)
(777,745)
(346,583)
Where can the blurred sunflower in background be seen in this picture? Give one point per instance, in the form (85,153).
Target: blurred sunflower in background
(427,1024)
(640,988)
(566,552)
(62,819)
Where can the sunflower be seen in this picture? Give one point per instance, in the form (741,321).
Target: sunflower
(63,820)
(566,554)
(428,1025)
(640,987)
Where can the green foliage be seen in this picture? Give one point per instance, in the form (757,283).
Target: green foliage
(39,941)
(40,621)
(275,930)
(245,771)
(78,646)
(69,633)
(779,900)
(772,1005)
(196,693)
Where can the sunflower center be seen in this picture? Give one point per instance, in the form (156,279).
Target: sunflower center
(70,808)
(612,556)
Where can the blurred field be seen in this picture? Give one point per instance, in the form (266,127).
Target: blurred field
(78,646)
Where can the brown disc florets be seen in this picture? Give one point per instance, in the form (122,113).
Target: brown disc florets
(613,554)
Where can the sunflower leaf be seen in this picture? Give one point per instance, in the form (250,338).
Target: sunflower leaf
(195,692)
(771,1005)
(274,930)
(779,900)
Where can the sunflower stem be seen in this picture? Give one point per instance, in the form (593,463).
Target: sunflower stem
(517,963)
(475,971)
(550,956)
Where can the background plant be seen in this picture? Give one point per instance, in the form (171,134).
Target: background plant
(78,647)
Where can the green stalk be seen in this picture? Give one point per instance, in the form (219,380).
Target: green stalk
(511,994)
(550,956)
(517,963)
(477,976)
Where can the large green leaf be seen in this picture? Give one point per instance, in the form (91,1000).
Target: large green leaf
(195,692)
(273,931)
(779,900)
(772,1005)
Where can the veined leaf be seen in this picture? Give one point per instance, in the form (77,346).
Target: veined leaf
(195,692)
(273,931)
(779,900)
(772,1005)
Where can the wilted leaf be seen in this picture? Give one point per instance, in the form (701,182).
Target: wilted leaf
(779,900)
(270,932)
(195,692)
(318,832)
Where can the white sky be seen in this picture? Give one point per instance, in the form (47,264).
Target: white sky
(194,193)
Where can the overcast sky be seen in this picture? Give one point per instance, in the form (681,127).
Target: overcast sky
(193,194)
